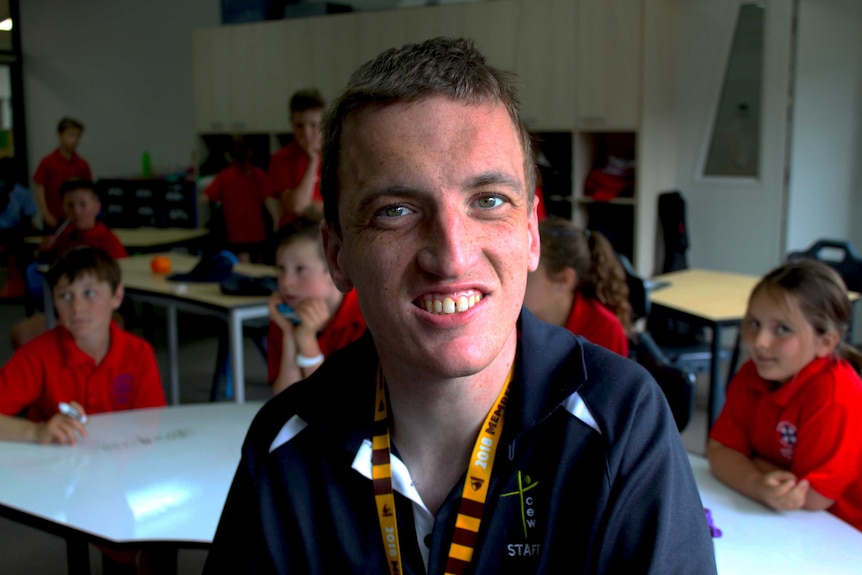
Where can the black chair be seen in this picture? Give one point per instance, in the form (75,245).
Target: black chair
(676,382)
(840,255)
(680,344)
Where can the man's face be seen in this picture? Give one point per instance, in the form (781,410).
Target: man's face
(437,232)
(85,305)
(81,207)
(306,128)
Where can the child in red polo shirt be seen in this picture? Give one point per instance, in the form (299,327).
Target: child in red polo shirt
(580,285)
(295,169)
(244,191)
(328,319)
(85,361)
(79,228)
(789,433)
(60,165)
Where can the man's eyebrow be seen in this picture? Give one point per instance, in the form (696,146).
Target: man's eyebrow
(495,178)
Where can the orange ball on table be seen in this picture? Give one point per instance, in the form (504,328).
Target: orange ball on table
(160,264)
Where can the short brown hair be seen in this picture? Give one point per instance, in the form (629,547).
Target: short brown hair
(82,260)
(450,67)
(74,184)
(66,122)
(308,99)
(306,226)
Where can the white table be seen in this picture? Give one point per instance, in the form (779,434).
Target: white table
(149,476)
(143,285)
(758,540)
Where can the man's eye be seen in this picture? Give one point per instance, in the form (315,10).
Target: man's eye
(90,293)
(489,201)
(65,296)
(395,211)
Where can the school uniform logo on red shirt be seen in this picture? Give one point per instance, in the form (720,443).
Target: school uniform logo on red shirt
(786,438)
(121,389)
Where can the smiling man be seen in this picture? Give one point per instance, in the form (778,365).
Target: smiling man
(460,435)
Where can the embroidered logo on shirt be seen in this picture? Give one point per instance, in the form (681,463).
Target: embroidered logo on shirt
(121,389)
(786,438)
(525,484)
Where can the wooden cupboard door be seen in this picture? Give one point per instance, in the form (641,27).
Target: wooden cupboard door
(608,64)
(211,78)
(545,63)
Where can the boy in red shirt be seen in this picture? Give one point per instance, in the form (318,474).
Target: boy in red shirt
(86,361)
(80,228)
(246,194)
(328,319)
(60,165)
(295,169)
(81,207)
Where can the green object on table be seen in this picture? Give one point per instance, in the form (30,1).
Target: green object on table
(146,166)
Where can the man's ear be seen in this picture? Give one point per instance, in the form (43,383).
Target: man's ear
(535,243)
(332,249)
(117,298)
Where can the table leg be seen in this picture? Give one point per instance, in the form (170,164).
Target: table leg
(236,357)
(716,389)
(77,555)
(173,355)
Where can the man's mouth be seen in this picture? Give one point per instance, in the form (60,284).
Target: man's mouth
(440,304)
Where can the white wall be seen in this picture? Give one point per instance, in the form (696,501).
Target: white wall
(826,159)
(121,67)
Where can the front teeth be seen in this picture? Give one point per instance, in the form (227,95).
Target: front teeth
(449,305)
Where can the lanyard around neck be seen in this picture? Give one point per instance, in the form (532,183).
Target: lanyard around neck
(473,495)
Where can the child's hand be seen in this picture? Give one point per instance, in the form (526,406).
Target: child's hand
(61,429)
(314,314)
(781,490)
(277,317)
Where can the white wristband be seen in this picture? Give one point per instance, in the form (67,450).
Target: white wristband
(303,361)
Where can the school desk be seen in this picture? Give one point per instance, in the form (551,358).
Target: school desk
(716,300)
(148,240)
(757,539)
(149,478)
(141,284)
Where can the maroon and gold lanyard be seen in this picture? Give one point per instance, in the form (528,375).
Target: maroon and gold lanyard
(472,497)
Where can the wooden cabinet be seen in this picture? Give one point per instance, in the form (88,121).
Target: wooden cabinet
(545,63)
(608,64)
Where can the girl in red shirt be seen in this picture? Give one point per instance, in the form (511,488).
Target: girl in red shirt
(789,433)
(581,285)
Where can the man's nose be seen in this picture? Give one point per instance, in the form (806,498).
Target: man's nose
(450,243)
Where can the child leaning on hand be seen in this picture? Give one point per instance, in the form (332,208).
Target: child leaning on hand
(328,319)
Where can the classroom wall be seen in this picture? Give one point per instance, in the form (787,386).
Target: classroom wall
(825,192)
(123,68)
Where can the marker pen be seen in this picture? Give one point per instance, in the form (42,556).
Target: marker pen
(67,409)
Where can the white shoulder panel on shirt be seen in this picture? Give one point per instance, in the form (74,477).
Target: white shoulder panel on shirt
(575,405)
(290,430)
